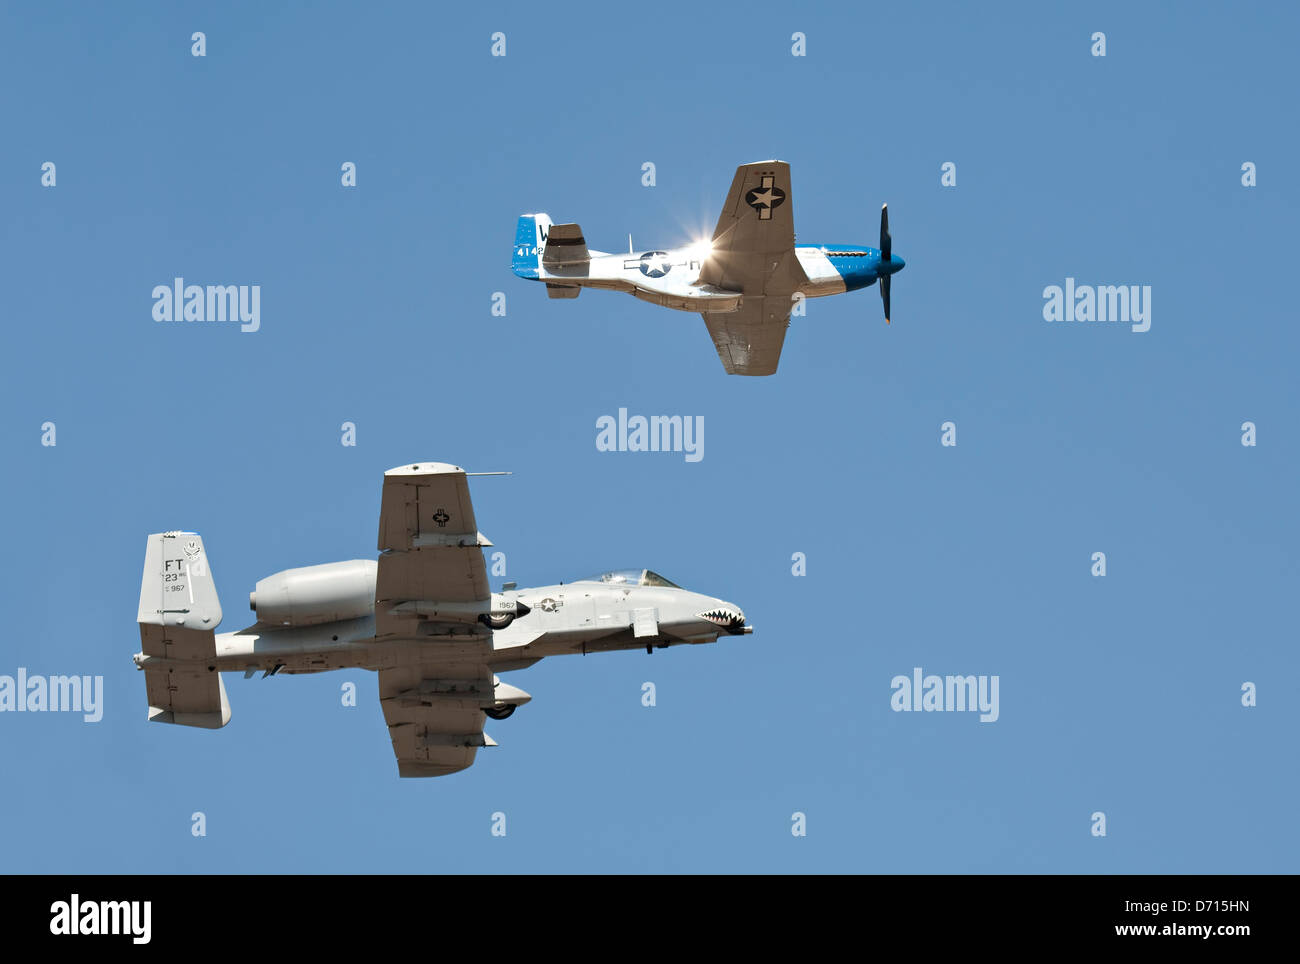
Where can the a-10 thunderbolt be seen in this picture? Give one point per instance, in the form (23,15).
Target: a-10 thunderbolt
(422,616)
(744,281)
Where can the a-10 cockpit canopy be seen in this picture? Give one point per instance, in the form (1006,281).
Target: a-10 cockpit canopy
(631,577)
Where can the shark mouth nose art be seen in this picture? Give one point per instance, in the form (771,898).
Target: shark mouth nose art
(724,617)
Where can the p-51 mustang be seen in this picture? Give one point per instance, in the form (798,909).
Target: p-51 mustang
(744,282)
(422,616)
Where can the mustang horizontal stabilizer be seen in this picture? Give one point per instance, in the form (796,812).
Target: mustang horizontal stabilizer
(564,245)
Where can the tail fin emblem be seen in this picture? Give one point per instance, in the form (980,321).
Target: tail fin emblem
(765,197)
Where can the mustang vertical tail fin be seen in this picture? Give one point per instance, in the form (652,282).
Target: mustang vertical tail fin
(178,616)
(530,238)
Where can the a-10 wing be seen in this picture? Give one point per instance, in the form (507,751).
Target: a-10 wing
(431,579)
(435,718)
(431,588)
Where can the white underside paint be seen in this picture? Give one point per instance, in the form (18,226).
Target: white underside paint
(680,288)
(823,279)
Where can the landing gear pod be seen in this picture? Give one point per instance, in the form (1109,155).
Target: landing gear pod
(508,699)
(505,610)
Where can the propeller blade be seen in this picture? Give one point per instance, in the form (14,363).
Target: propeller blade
(886,242)
(884,295)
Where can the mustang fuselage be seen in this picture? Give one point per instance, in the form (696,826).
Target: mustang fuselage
(671,278)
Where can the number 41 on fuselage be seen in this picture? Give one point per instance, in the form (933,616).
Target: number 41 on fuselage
(744,281)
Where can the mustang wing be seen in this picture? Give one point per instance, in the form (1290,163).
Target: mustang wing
(753,253)
(749,340)
(755,233)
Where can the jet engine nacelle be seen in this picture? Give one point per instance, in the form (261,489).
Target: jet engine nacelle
(316,594)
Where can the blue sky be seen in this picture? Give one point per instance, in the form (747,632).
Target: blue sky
(1119,694)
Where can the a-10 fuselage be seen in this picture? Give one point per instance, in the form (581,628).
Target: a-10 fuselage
(633,609)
